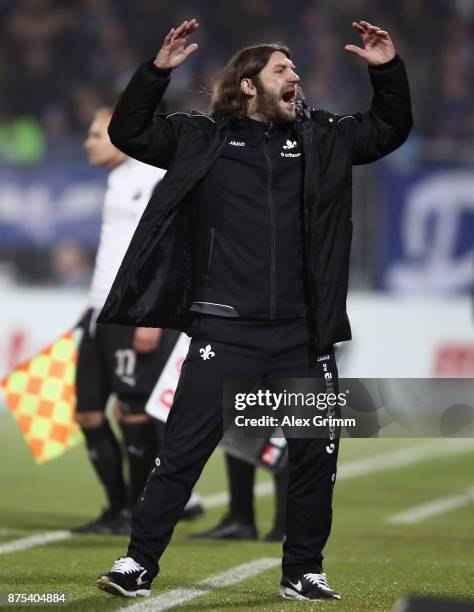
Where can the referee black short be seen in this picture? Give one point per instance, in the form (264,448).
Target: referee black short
(108,364)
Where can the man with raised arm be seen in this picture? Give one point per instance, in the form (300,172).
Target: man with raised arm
(245,245)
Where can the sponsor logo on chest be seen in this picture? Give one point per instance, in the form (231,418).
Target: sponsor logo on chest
(290,144)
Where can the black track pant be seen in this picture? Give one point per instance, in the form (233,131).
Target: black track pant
(237,348)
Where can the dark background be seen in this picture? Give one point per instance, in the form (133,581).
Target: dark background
(60,60)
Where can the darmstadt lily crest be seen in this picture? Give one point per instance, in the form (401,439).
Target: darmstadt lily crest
(207,353)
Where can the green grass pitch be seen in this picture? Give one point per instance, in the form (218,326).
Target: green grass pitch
(371,562)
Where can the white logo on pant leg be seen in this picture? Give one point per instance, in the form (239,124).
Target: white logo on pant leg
(207,353)
(330,448)
(290,144)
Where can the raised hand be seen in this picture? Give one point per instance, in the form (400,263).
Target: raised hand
(173,52)
(378,46)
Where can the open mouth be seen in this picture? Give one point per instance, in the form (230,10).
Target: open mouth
(289,97)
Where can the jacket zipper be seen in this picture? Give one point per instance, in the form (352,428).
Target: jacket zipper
(271,206)
(306,146)
(209,258)
(309,273)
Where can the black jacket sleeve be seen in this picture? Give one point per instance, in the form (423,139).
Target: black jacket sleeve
(135,128)
(386,125)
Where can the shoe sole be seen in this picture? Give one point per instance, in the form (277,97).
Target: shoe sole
(106,584)
(288,593)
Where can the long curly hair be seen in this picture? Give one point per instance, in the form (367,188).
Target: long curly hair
(227,97)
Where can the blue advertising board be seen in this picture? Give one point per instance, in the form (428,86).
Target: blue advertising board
(52,201)
(427,235)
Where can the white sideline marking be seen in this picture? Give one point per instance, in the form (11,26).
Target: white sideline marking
(32,541)
(432,508)
(179,596)
(351,469)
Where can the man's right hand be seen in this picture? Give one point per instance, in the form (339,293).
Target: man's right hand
(172,52)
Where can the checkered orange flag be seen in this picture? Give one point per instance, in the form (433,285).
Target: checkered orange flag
(41,395)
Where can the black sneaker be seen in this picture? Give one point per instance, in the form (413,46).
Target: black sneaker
(110,522)
(276,534)
(193,508)
(228,529)
(127,578)
(307,586)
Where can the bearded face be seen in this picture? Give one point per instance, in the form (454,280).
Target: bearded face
(272,94)
(276,105)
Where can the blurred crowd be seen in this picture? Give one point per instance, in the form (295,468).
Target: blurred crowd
(60,59)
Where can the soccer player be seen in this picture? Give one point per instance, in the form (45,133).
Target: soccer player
(116,359)
(246,245)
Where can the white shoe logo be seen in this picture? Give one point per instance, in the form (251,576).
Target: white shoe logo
(290,144)
(207,353)
(139,579)
(298,586)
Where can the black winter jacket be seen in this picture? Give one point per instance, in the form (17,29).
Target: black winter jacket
(248,248)
(153,284)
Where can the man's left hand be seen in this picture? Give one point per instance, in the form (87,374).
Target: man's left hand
(146,339)
(378,46)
